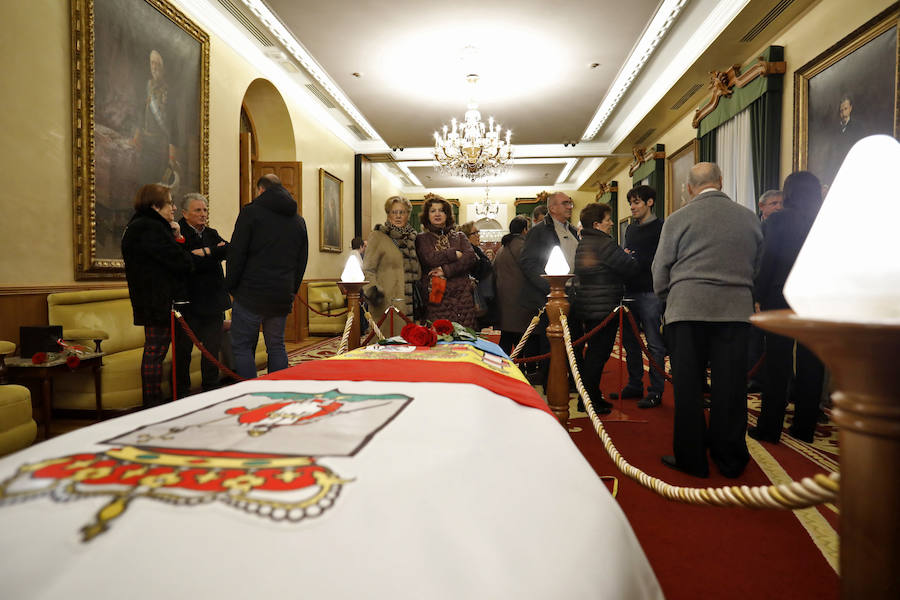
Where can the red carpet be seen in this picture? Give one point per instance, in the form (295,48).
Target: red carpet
(700,552)
(323,349)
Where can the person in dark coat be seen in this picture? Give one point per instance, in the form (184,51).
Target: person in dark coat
(155,265)
(783,235)
(447,258)
(206,294)
(601,269)
(266,261)
(513,318)
(483,273)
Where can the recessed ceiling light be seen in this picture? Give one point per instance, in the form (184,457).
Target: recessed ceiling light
(357,74)
(595,65)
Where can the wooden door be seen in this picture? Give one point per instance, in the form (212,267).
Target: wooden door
(247,183)
(290,174)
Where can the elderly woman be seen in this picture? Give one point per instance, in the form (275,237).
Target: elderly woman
(447,259)
(483,272)
(391,265)
(783,235)
(601,268)
(513,317)
(155,266)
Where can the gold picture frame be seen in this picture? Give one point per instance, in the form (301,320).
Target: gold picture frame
(863,70)
(624,222)
(678,166)
(331,212)
(140,114)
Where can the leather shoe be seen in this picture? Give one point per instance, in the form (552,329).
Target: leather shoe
(809,439)
(651,401)
(758,434)
(669,461)
(628,392)
(601,406)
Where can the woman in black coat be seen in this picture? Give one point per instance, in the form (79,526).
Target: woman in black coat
(601,268)
(155,265)
(783,235)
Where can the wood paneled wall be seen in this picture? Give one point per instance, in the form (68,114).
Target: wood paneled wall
(27,305)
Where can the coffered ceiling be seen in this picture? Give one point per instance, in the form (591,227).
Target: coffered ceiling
(576,81)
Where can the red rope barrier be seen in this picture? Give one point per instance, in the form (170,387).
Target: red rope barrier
(193,337)
(580,341)
(321,314)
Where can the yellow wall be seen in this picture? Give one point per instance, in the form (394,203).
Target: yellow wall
(812,33)
(35,125)
(382,189)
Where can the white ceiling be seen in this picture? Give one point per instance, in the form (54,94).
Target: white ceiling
(549,70)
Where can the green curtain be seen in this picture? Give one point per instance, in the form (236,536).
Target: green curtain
(707,150)
(765,131)
(526,208)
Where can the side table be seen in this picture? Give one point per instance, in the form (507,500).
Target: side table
(23,368)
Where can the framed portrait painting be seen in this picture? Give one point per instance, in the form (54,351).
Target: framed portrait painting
(846,93)
(331,193)
(140,91)
(678,167)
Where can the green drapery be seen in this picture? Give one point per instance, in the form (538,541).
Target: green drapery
(654,171)
(524,207)
(707,149)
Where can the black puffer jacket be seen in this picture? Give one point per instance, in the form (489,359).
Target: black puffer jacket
(155,267)
(268,253)
(206,286)
(601,268)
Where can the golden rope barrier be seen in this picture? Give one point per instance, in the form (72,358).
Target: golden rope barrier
(795,495)
(345,338)
(374,326)
(534,322)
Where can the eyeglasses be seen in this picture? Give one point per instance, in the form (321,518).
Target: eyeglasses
(398,213)
(567,203)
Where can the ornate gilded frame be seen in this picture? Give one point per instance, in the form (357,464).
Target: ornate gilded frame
(328,186)
(856,40)
(88,265)
(678,160)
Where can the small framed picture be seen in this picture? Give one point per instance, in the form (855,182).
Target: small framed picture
(331,212)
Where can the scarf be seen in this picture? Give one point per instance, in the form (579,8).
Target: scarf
(405,240)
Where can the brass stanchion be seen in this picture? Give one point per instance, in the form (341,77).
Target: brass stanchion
(558,377)
(352,289)
(863,362)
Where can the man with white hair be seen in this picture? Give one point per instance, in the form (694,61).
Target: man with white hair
(703,272)
(204,313)
(770,203)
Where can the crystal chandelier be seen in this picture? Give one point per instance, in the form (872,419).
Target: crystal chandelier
(487,208)
(470,149)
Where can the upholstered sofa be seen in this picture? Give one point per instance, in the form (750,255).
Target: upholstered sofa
(106,315)
(17,427)
(326,297)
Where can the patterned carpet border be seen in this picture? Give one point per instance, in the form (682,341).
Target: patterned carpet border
(324,349)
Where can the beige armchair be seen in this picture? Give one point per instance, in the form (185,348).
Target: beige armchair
(17,427)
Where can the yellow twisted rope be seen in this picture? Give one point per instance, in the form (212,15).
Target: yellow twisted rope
(374,326)
(797,494)
(345,338)
(534,321)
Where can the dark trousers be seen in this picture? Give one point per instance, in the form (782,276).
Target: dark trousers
(808,374)
(693,345)
(208,329)
(596,354)
(156,346)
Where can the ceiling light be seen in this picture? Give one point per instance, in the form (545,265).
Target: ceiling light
(470,149)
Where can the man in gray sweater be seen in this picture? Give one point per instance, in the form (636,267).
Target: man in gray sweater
(703,272)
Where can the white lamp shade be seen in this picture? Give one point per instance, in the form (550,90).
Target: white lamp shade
(556,264)
(353,269)
(849,266)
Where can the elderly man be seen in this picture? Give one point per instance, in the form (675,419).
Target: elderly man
(707,255)
(266,262)
(554,230)
(206,294)
(770,203)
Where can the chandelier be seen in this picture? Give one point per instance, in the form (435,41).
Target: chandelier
(487,208)
(470,149)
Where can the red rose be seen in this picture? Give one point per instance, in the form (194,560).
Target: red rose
(420,336)
(405,332)
(72,361)
(443,327)
(39,358)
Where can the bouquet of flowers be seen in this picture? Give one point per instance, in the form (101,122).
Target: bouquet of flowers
(441,329)
(71,351)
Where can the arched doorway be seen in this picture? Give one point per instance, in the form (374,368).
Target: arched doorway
(267,142)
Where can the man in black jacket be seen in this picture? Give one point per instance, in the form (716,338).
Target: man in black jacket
(206,294)
(641,240)
(266,261)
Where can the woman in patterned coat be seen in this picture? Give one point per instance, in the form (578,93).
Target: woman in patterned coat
(447,258)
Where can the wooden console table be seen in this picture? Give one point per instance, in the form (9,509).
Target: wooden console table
(23,368)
